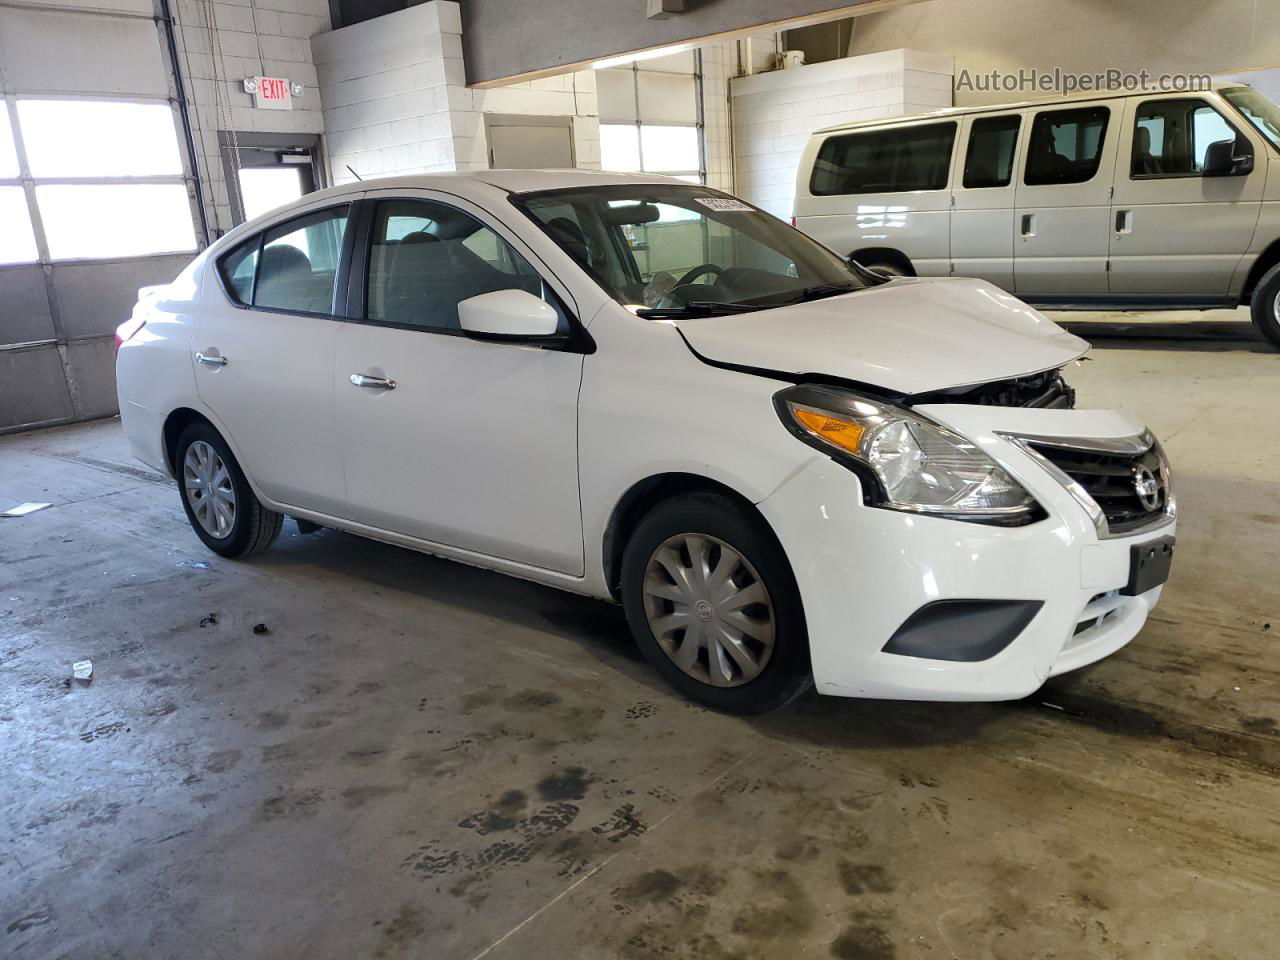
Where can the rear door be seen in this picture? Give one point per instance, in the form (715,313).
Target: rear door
(1174,230)
(264,350)
(1063,215)
(982,218)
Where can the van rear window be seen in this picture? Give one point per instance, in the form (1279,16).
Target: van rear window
(884,161)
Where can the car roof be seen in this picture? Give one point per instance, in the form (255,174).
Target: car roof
(948,112)
(511,181)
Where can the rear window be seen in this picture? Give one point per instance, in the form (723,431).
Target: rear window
(292,267)
(895,160)
(989,160)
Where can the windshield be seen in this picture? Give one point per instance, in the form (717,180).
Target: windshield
(1258,110)
(670,250)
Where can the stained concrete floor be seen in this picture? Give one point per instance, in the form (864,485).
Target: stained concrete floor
(423,760)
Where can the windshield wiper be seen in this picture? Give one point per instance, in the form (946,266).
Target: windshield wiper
(821,291)
(697,308)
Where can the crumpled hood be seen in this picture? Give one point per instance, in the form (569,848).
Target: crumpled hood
(907,336)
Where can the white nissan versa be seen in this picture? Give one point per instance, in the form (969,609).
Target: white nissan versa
(783,466)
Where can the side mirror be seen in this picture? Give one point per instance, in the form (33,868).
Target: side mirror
(507,315)
(1220,160)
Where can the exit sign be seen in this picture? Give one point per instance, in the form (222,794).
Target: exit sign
(272,93)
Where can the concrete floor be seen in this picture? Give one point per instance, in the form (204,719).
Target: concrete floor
(423,760)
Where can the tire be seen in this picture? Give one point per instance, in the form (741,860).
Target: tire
(1265,305)
(248,527)
(742,553)
(888,268)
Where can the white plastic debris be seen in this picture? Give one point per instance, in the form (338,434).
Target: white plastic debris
(22,509)
(82,670)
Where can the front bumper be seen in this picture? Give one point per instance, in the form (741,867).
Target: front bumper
(863,571)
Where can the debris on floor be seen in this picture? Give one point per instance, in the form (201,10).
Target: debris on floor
(194,564)
(82,670)
(210,621)
(22,509)
(261,628)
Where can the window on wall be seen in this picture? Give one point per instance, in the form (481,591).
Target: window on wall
(108,180)
(649,117)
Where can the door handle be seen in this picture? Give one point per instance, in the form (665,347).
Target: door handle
(1124,221)
(374,383)
(1028,224)
(210,361)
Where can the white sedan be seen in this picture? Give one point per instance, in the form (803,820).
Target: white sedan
(788,469)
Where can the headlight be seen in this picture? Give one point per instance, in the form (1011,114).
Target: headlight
(912,464)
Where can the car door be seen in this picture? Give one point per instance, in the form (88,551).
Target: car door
(1064,200)
(463,442)
(265,342)
(1174,230)
(982,215)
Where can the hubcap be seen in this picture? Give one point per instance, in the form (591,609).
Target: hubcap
(709,610)
(207,484)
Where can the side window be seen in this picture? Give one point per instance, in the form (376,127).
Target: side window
(884,161)
(417,278)
(238,269)
(1170,137)
(1066,145)
(988,162)
(299,262)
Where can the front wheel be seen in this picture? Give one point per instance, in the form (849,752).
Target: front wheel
(220,505)
(1265,305)
(713,605)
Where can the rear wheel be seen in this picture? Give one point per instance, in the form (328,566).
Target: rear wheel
(1265,305)
(219,503)
(713,605)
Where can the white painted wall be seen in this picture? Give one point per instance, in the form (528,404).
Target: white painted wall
(774,113)
(396,102)
(262,38)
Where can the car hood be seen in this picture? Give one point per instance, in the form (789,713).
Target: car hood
(908,336)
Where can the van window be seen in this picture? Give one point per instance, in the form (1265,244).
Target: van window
(989,159)
(884,161)
(1066,145)
(1170,137)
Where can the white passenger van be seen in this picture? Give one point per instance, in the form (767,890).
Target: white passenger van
(1106,201)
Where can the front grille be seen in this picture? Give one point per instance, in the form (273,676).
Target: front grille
(1113,480)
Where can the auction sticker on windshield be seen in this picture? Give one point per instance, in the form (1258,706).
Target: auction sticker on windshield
(724,204)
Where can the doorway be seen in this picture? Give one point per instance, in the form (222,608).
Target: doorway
(269,170)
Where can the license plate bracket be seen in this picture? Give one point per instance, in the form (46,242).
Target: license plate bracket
(1149,565)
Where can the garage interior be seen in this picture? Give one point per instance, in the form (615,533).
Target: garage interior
(344,749)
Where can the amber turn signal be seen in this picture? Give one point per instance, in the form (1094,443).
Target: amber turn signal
(844,434)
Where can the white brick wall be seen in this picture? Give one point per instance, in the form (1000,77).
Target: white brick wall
(396,102)
(265,38)
(774,113)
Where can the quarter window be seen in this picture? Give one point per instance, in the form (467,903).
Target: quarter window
(1170,138)
(1066,145)
(988,162)
(884,161)
(427,257)
(238,269)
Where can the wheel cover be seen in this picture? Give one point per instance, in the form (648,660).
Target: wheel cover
(709,610)
(1275,306)
(206,482)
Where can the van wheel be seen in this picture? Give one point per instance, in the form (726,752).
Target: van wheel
(1265,305)
(219,503)
(711,600)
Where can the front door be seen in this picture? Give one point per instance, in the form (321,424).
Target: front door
(1063,217)
(265,343)
(1174,230)
(467,443)
(982,216)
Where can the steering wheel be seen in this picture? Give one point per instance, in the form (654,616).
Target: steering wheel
(698,271)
